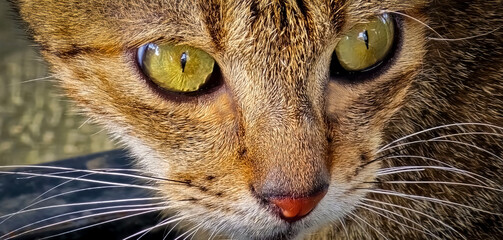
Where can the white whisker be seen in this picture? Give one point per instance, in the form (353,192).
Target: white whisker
(97,171)
(39,79)
(395,170)
(69,192)
(341,221)
(429,199)
(417,212)
(468,134)
(162,223)
(466,173)
(83,204)
(415,19)
(464,38)
(188,231)
(447,141)
(425,230)
(368,224)
(84,123)
(443,183)
(144,210)
(105,222)
(216,230)
(172,228)
(193,234)
(404,169)
(39,196)
(82,211)
(436,128)
(82,180)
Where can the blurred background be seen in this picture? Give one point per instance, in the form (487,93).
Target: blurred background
(37,123)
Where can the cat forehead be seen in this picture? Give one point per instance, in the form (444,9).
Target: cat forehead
(115,24)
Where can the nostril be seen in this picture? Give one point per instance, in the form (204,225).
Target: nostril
(294,209)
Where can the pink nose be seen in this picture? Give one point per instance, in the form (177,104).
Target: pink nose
(294,209)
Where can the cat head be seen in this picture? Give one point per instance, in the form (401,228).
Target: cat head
(285,137)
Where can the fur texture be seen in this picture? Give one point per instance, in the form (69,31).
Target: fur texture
(279,123)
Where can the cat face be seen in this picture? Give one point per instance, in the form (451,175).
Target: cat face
(278,123)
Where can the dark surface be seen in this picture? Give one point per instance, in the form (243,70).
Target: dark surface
(18,191)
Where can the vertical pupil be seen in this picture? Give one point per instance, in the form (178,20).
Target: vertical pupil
(365,37)
(183,60)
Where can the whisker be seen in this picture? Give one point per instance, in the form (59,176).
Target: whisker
(436,128)
(70,192)
(399,169)
(144,210)
(468,134)
(172,228)
(109,170)
(97,132)
(415,19)
(403,169)
(368,224)
(417,212)
(425,230)
(105,222)
(193,231)
(395,170)
(344,227)
(448,141)
(382,157)
(98,171)
(466,173)
(84,123)
(39,79)
(441,38)
(429,199)
(216,231)
(186,232)
(52,173)
(82,211)
(443,183)
(39,196)
(464,38)
(148,230)
(162,223)
(82,180)
(83,204)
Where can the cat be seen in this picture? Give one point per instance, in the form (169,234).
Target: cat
(328,119)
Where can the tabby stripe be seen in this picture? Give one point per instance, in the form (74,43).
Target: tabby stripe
(302,7)
(213,21)
(337,14)
(254,12)
(73,51)
(282,15)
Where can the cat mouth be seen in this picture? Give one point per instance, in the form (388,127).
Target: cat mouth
(287,234)
(289,230)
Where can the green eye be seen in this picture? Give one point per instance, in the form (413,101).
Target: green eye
(366,44)
(176,68)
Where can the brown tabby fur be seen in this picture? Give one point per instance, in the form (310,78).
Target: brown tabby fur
(280,124)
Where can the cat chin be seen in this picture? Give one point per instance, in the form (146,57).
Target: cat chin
(284,232)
